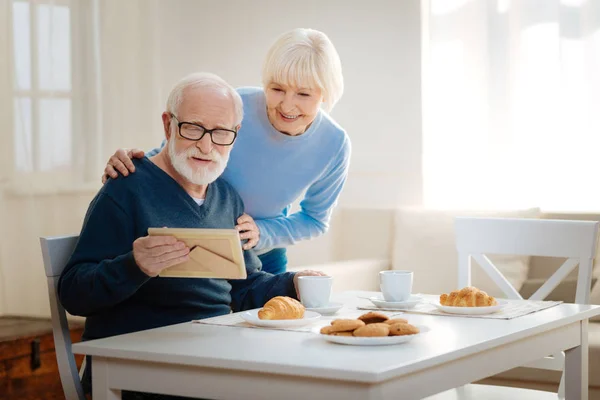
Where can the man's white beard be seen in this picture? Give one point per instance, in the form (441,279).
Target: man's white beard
(201,175)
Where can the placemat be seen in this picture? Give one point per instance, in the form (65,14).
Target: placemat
(514,308)
(236,320)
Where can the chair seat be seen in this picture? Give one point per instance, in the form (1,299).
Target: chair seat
(489,392)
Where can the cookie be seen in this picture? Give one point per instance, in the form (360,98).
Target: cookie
(346,325)
(402,329)
(396,321)
(327,330)
(373,330)
(373,317)
(342,334)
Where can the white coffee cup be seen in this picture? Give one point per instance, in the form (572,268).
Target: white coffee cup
(396,285)
(315,291)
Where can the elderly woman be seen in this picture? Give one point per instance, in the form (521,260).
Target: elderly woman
(288,146)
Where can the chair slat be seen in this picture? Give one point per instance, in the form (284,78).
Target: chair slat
(499,279)
(527,236)
(56,252)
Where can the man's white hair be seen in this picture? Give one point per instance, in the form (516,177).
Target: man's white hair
(306,58)
(208,81)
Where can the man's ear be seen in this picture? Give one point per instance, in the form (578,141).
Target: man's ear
(237,129)
(166,119)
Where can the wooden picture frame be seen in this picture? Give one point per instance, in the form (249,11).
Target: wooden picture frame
(215,253)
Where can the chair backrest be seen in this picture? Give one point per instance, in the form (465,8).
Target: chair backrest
(56,252)
(574,240)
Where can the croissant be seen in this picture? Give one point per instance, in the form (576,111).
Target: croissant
(281,307)
(467,297)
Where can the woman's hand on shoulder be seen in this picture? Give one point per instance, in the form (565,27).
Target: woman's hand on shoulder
(248,230)
(120,163)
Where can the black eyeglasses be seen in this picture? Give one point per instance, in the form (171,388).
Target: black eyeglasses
(195,132)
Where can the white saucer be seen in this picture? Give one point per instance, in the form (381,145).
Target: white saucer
(472,310)
(251,317)
(330,309)
(412,301)
(374,341)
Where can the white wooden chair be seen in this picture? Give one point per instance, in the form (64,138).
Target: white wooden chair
(56,252)
(574,240)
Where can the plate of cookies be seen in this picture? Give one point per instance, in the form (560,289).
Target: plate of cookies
(469,301)
(280,312)
(371,329)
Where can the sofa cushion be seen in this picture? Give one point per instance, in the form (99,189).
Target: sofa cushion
(565,291)
(362,274)
(424,243)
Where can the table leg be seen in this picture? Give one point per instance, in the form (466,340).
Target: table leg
(576,368)
(100,384)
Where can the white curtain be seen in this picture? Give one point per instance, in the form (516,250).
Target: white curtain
(512,104)
(79,81)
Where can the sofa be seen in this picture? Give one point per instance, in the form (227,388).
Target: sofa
(366,241)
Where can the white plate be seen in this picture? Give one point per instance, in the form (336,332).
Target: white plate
(251,316)
(331,308)
(412,301)
(374,341)
(471,310)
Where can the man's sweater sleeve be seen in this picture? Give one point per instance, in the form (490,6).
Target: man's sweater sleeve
(259,287)
(102,271)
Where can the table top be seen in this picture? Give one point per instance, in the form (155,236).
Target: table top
(308,354)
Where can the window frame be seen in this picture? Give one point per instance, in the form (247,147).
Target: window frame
(74,177)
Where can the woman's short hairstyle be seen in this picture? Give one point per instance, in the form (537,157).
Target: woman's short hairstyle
(204,80)
(305,58)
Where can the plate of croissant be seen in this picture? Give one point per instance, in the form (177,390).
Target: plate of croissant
(469,301)
(280,312)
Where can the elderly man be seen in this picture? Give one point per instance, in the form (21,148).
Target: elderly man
(111,277)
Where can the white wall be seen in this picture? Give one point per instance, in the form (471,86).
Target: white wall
(379,44)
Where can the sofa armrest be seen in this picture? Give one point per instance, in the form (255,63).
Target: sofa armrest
(360,274)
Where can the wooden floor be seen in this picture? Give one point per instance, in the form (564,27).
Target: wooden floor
(594,392)
(26,374)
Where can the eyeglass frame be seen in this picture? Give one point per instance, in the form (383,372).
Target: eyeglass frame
(209,131)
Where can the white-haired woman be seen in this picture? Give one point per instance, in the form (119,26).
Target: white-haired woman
(288,147)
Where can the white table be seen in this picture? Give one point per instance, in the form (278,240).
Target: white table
(220,362)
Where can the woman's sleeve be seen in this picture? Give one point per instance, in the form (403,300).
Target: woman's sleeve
(315,209)
(154,152)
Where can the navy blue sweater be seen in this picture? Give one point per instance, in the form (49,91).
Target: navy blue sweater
(103,282)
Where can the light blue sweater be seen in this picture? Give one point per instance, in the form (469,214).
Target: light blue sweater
(270,170)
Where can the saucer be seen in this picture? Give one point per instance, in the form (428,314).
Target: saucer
(412,301)
(330,309)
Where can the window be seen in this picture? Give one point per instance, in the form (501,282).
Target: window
(43,90)
(511,89)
